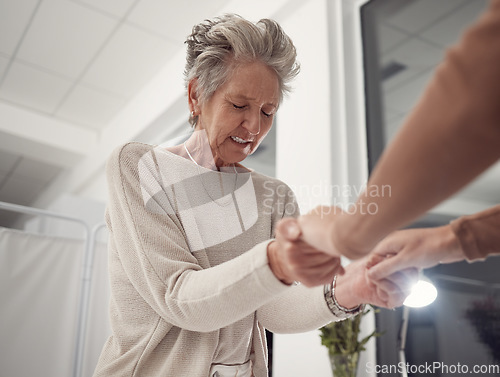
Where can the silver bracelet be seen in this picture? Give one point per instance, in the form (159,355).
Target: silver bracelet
(338,310)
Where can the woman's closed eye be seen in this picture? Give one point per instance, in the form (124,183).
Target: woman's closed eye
(267,115)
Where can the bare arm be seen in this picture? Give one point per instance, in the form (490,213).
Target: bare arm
(471,237)
(451,137)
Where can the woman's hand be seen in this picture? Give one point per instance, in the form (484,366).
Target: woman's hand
(356,287)
(291,259)
(420,248)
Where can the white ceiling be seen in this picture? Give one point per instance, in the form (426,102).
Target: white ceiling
(72,73)
(80,76)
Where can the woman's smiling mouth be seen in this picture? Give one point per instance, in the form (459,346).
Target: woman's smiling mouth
(239,140)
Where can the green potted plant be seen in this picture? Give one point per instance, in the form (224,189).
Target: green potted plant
(343,343)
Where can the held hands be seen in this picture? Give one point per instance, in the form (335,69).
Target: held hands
(419,248)
(356,287)
(291,259)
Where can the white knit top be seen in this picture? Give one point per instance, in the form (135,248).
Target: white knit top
(190,280)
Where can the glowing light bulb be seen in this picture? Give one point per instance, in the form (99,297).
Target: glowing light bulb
(422,294)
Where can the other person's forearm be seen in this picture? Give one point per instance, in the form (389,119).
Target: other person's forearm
(451,137)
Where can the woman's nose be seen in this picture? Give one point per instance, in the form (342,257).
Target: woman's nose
(252,124)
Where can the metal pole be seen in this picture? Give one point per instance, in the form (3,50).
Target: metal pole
(88,266)
(83,305)
(402,340)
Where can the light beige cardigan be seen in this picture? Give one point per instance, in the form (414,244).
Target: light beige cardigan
(190,280)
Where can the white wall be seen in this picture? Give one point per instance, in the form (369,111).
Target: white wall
(305,161)
(321,145)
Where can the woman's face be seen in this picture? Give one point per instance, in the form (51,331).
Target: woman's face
(240,113)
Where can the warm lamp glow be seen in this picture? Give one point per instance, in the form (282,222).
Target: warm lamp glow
(422,294)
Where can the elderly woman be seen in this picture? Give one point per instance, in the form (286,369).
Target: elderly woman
(195,275)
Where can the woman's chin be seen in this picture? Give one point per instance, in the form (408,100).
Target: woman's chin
(240,155)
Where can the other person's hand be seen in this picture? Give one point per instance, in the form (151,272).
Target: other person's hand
(355,287)
(420,248)
(291,259)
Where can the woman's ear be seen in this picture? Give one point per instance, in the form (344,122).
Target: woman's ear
(193,96)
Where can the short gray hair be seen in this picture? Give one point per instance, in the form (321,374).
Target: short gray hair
(215,45)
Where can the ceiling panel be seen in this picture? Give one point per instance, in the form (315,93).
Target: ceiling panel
(34,88)
(64,37)
(14,17)
(393,125)
(486,187)
(116,8)
(420,14)
(173,19)
(253,10)
(3,65)
(8,218)
(450,28)
(20,190)
(404,98)
(3,177)
(7,161)
(130,59)
(415,53)
(401,78)
(389,37)
(38,171)
(90,107)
